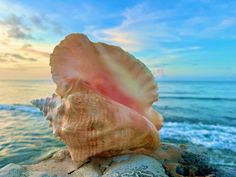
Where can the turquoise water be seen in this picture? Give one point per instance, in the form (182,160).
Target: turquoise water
(199,113)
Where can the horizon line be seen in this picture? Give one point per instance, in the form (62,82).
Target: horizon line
(158,80)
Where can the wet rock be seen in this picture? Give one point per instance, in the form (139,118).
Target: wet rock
(13,170)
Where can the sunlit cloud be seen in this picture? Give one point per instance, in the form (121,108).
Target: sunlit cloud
(16,28)
(28,48)
(14,57)
(24,50)
(134,31)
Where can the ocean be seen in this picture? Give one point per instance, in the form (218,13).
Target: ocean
(196,113)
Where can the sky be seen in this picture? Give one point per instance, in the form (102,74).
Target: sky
(177,40)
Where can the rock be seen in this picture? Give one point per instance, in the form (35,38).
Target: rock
(173,160)
(122,165)
(13,170)
(59,164)
(90,169)
(135,165)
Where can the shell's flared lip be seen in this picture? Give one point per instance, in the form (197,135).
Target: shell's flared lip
(113,72)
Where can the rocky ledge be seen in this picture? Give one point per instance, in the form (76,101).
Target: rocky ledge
(175,160)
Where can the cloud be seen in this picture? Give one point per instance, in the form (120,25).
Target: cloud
(22,68)
(207,26)
(23,27)
(134,32)
(12,20)
(2,60)
(38,22)
(28,49)
(183,49)
(56,27)
(22,22)
(45,22)
(16,28)
(19,33)
(13,57)
(20,57)
(26,46)
(221,25)
(145,27)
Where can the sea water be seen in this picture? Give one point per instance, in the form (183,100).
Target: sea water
(197,113)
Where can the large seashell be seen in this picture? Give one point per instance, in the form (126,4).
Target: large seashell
(93,125)
(107,69)
(103,105)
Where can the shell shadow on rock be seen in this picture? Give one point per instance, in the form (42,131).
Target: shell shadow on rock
(103,105)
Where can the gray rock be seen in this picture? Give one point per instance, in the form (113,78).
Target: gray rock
(172,160)
(134,165)
(13,170)
(123,165)
(40,174)
(87,170)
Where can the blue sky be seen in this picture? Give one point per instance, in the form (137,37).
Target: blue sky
(177,40)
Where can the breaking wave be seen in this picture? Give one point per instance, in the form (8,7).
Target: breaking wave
(20,107)
(198,98)
(210,136)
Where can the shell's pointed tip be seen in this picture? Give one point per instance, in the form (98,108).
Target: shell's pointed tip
(39,103)
(34,102)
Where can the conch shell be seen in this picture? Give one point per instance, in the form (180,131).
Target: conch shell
(103,105)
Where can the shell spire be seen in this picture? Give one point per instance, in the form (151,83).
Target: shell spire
(49,106)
